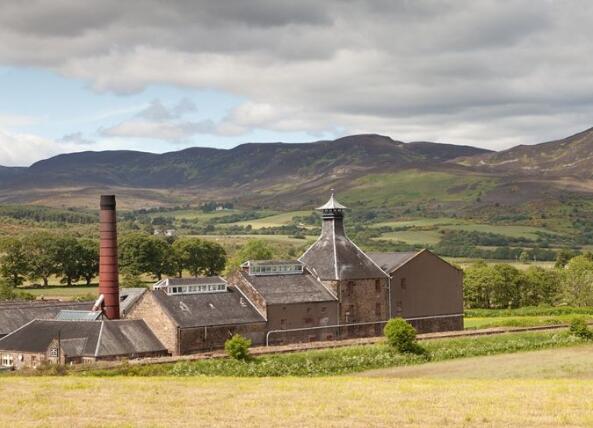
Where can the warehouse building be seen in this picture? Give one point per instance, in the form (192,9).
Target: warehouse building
(198,314)
(292,300)
(69,342)
(425,290)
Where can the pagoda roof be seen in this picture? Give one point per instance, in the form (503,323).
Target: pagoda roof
(332,204)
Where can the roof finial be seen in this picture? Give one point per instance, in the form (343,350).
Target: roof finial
(332,204)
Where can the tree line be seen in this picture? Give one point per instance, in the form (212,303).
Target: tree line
(504,286)
(43,255)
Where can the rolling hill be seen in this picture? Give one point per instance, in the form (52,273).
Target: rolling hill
(370,171)
(249,169)
(569,157)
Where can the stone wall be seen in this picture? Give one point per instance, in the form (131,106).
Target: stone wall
(239,281)
(199,339)
(361,301)
(302,315)
(164,328)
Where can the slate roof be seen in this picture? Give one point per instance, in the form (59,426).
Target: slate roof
(16,314)
(335,257)
(286,289)
(392,261)
(208,309)
(108,338)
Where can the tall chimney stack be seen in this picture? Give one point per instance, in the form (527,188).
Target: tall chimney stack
(108,270)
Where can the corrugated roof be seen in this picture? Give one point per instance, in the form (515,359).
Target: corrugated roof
(391,261)
(280,289)
(85,338)
(208,309)
(71,315)
(16,314)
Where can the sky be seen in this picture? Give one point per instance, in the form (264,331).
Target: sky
(159,76)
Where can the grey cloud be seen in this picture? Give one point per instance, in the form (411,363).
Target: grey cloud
(76,138)
(160,122)
(479,72)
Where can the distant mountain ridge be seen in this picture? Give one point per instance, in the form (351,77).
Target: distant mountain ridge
(572,156)
(297,175)
(239,166)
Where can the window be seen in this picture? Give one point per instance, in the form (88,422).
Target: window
(283,324)
(278,269)
(323,309)
(7,360)
(378,286)
(378,309)
(191,289)
(402,283)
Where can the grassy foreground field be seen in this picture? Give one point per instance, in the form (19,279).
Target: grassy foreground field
(294,402)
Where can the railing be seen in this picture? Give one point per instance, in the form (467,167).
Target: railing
(339,326)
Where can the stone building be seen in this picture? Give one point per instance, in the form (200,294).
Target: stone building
(425,289)
(69,342)
(359,284)
(191,315)
(293,301)
(14,315)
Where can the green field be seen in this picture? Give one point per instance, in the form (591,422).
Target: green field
(63,292)
(415,185)
(195,214)
(520,321)
(423,222)
(419,237)
(276,220)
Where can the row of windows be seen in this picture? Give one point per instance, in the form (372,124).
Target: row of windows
(269,269)
(190,289)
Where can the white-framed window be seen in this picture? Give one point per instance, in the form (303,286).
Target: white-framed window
(194,289)
(275,269)
(7,360)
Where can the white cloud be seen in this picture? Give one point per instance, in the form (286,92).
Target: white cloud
(24,149)
(485,72)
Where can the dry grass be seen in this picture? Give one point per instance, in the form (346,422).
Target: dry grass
(293,402)
(559,363)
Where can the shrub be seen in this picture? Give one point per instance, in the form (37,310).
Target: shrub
(578,328)
(238,347)
(401,336)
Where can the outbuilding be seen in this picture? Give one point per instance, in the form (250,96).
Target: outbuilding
(426,290)
(68,342)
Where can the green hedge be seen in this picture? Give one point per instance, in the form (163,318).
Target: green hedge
(529,311)
(353,359)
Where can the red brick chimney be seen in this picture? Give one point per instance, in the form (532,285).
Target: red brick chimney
(108,270)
